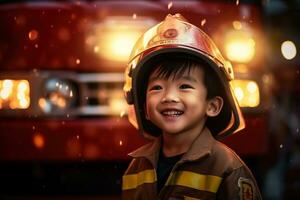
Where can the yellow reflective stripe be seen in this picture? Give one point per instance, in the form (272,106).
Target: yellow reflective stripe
(132,181)
(196,181)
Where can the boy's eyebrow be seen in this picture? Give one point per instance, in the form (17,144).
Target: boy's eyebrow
(189,78)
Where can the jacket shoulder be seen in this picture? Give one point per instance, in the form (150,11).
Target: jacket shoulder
(226,157)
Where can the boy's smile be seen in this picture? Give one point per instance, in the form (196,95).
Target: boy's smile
(171,113)
(177,104)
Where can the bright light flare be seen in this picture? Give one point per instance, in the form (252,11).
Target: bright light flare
(117,45)
(246,92)
(239,46)
(288,50)
(14,94)
(115,37)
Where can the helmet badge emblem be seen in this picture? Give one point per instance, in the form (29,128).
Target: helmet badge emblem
(170,33)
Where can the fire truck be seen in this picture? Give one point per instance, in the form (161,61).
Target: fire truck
(63,125)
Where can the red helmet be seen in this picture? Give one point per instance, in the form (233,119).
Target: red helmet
(176,35)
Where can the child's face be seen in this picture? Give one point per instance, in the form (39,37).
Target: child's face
(177,105)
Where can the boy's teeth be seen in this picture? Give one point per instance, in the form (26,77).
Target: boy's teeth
(172,112)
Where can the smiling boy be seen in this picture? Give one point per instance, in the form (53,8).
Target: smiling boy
(178,83)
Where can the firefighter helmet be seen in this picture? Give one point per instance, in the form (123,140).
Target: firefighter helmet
(176,36)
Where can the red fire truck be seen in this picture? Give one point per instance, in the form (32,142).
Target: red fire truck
(63,125)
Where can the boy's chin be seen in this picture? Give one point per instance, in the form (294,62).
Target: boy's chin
(172,132)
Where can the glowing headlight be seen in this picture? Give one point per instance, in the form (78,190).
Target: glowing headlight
(246,92)
(14,94)
(59,95)
(114,38)
(288,50)
(239,46)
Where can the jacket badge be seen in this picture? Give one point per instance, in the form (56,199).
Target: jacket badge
(246,189)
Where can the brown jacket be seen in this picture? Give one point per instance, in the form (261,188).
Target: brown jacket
(209,170)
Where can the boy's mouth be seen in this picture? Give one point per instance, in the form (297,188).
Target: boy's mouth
(172,113)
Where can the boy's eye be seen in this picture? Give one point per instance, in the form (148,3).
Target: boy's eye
(185,86)
(155,87)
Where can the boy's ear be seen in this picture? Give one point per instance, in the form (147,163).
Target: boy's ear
(214,107)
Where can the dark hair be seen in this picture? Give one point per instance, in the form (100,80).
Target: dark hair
(177,66)
(174,65)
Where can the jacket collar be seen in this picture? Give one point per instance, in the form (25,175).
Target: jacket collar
(201,147)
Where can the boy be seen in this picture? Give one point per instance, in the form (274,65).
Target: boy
(178,83)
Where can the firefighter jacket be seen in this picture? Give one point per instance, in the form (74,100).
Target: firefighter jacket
(208,170)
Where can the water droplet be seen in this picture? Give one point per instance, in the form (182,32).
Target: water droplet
(77,61)
(170,5)
(33,34)
(122,113)
(203,22)
(121,142)
(77,136)
(281,146)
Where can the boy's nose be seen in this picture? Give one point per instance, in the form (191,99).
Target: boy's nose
(170,96)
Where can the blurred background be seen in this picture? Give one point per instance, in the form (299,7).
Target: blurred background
(64,131)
